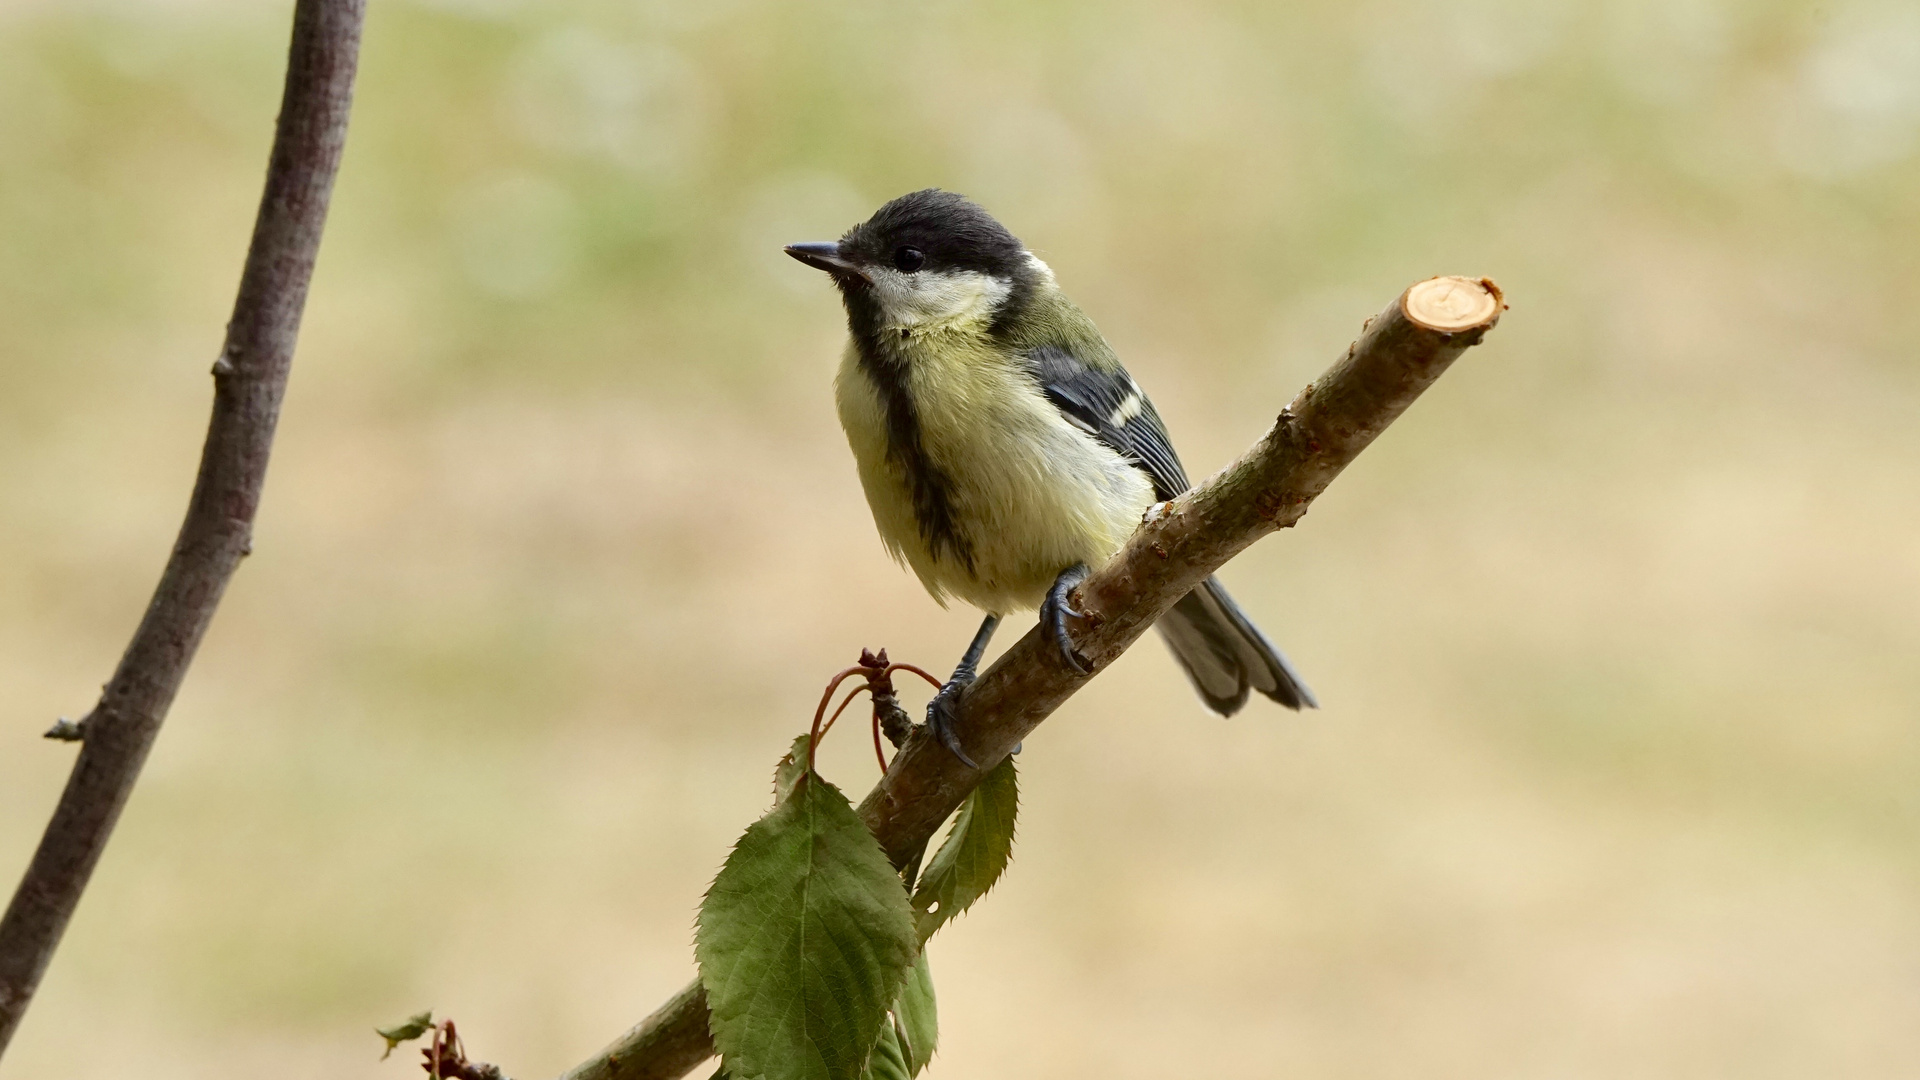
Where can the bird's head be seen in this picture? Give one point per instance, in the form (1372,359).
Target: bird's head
(928,259)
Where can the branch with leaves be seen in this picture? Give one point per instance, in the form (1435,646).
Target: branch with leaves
(810,953)
(249,381)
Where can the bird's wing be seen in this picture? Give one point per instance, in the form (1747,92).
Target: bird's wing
(1111,407)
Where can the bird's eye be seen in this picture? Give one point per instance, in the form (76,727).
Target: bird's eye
(907,259)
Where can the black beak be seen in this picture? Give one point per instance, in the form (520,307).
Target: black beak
(825,255)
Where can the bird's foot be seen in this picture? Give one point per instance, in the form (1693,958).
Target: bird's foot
(1055,612)
(944,710)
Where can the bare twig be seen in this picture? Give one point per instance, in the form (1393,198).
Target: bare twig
(1400,353)
(249,380)
(668,1044)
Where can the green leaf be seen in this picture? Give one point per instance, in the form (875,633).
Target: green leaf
(804,942)
(887,1063)
(415,1026)
(790,770)
(917,1020)
(975,852)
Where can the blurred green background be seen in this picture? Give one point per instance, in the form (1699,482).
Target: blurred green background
(1617,630)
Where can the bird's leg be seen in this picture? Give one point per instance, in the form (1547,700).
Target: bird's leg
(1055,612)
(945,706)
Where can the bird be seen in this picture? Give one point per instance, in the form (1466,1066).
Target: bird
(1002,447)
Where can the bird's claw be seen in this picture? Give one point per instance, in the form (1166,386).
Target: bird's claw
(1055,612)
(944,710)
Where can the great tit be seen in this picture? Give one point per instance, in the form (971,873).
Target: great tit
(1003,448)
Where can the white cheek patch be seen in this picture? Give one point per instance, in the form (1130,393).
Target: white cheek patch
(937,298)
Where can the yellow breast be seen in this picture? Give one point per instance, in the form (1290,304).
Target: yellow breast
(1028,494)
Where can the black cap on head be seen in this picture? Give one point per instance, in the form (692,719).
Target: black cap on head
(937,230)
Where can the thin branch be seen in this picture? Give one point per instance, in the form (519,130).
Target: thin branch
(249,380)
(1399,354)
(666,1045)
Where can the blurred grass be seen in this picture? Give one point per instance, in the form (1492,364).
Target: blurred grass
(1617,774)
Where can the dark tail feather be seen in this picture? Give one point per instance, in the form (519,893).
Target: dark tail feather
(1225,655)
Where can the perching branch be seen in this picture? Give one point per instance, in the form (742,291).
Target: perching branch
(1400,353)
(249,380)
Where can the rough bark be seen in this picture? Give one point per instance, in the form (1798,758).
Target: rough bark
(249,379)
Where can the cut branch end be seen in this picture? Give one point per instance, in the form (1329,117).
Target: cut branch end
(1453,305)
